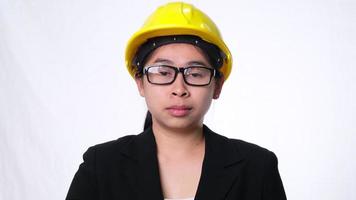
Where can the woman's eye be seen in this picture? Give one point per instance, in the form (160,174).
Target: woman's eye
(197,72)
(164,73)
(196,75)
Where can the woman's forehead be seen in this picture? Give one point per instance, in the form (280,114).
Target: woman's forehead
(178,53)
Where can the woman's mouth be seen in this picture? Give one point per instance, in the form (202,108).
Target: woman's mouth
(179,111)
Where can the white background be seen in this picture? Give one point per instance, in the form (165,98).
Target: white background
(64,87)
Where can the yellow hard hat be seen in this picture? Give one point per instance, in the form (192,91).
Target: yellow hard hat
(177,18)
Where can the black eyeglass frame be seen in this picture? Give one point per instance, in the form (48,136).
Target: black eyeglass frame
(214,73)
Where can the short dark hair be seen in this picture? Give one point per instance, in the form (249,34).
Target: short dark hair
(213,53)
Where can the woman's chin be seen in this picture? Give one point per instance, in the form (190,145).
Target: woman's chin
(179,123)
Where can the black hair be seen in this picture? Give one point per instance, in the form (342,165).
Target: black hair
(214,55)
(148,121)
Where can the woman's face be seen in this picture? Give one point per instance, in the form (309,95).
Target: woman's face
(178,105)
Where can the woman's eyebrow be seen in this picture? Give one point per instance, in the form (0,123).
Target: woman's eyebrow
(192,62)
(163,60)
(198,62)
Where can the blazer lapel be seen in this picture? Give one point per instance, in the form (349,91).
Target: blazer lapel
(146,171)
(221,167)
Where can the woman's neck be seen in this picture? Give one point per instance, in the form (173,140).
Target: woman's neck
(178,142)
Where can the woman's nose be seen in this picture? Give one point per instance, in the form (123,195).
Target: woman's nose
(179,87)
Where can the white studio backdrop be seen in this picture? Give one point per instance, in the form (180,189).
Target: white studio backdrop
(64,87)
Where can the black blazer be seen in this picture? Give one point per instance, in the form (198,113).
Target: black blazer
(127,169)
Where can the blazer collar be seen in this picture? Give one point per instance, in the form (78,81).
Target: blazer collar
(221,165)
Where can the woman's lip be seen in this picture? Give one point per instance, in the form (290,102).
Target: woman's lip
(179,111)
(180,107)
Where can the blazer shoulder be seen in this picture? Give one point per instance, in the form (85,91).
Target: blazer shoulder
(111,148)
(114,145)
(120,142)
(261,166)
(237,147)
(250,150)
(98,164)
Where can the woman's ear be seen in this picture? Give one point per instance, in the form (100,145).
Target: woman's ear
(139,83)
(218,87)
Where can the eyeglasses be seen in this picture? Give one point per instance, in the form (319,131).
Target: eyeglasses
(160,74)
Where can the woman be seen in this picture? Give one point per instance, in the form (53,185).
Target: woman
(179,62)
